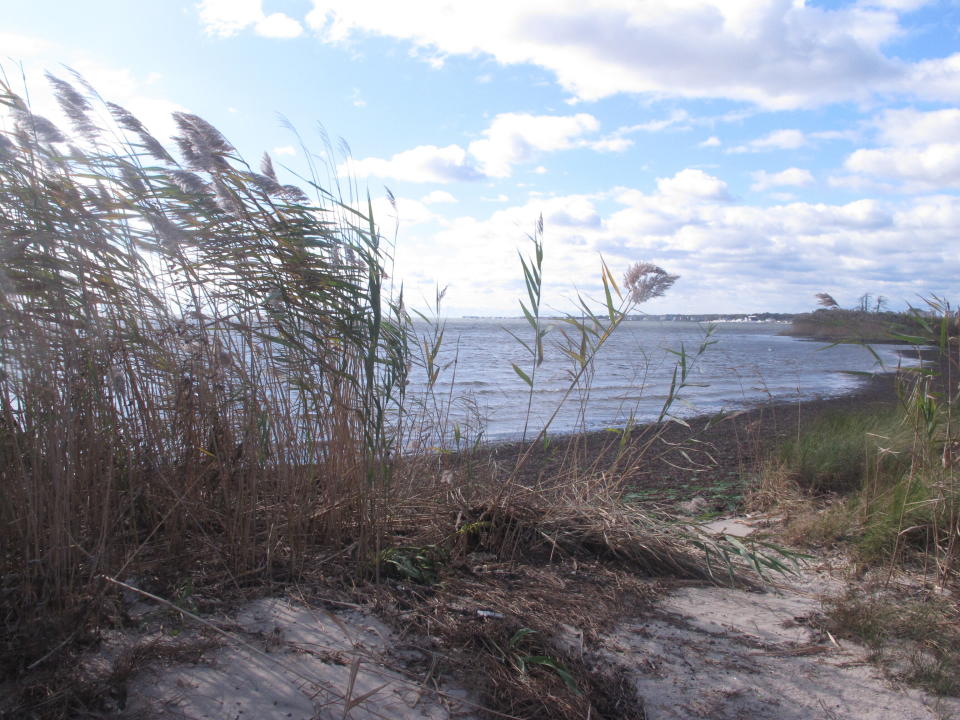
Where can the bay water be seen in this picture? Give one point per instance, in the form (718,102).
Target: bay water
(478,393)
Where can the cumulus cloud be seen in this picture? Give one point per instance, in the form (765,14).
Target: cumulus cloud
(934,79)
(22,46)
(693,184)
(510,139)
(437,196)
(278,25)
(797,177)
(935,165)
(288,150)
(899,248)
(921,151)
(405,212)
(712,141)
(226,18)
(812,55)
(777,140)
(912,127)
(677,119)
(426,163)
(513,138)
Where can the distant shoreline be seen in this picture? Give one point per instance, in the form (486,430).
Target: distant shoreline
(665,317)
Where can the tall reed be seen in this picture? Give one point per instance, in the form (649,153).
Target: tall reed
(198,363)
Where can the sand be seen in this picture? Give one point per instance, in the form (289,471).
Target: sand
(287,660)
(702,652)
(726,654)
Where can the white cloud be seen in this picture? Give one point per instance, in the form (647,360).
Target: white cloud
(693,184)
(797,177)
(405,212)
(510,139)
(783,197)
(936,165)
(229,17)
(913,127)
(906,5)
(936,79)
(921,151)
(850,135)
(731,257)
(812,55)
(438,196)
(22,46)
(676,118)
(226,18)
(288,150)
(613,144)
(513,138)
(618,141)
(712,141)
(278,25)
(776,140)
(426,163)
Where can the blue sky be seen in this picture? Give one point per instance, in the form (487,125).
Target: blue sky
(763,151)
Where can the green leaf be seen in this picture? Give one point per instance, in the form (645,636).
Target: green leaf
(522,374)
(560,670)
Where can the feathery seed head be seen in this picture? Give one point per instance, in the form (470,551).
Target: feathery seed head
(292,193)
(265,183)
(645,281)
(266,167)
(826,300)
(30,126)
(227,199)
(201,144)
(128,121)
(188,182)
(75,106)
(7,148)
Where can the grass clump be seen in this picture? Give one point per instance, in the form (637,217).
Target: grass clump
(201,368)
(916,636)
(885,479)
(839,449)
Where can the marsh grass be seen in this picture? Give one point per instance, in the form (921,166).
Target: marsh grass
(842,325)
(892,473)
(838,450)
(884,486)
(202,368)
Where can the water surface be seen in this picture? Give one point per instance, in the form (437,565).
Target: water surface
(748,363)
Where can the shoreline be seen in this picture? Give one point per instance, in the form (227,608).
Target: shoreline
(709,455)
(925,354)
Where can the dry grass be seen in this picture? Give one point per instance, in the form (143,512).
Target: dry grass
(514,591)
(200,369)
(911,630)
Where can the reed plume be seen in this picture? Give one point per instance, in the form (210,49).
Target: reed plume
(645,281)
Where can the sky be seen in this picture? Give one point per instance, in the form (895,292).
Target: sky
(764,151)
